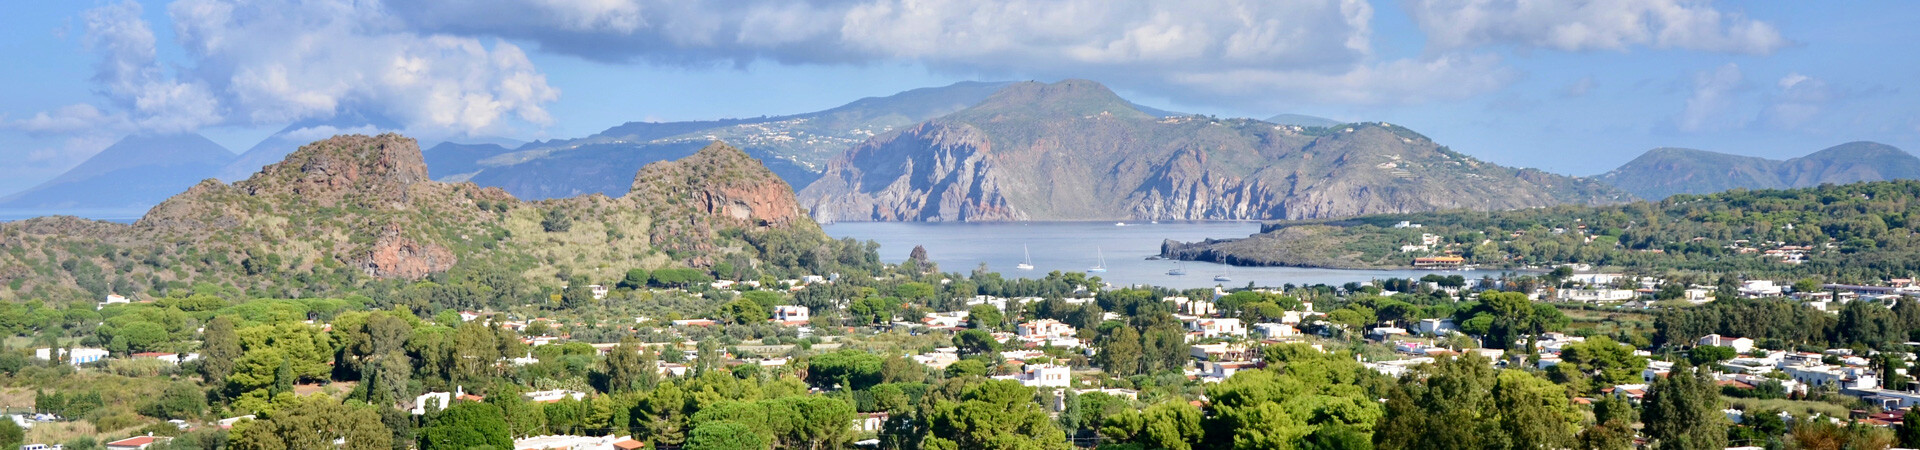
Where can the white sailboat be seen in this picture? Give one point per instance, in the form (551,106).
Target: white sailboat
(1025,264)
(1102,267)
(1223,274)
(1179,271)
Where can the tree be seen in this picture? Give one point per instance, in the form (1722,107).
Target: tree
(847,369)
(11,436)
(636,279)
(1610,363)
(743,311)
(994,415)
(556,221)
(1120,350)
(1682,411)
(1709,354)
(1909,432)
(177,401)
(466,425)
(975,342)
(1171,425)
(985,316)
(725,436)
(219,351)
(629,367)
(316,422)
(1464,403)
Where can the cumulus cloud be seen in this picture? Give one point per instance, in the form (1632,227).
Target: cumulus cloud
(277,61)
(1592,25)
(286,60)
(1711,105)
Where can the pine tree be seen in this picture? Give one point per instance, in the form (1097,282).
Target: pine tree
(1683,412)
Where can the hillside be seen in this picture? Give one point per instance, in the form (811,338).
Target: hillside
(135,173)
(1859,232)
(1074,150)
(796,147)
(1663,172)
(276,146)
(352,210)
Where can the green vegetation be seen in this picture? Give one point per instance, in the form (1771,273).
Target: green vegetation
(1845,233)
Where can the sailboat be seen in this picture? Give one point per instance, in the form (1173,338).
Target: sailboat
(1102,268)
(1223,275)
(1179,271)
(1026,264)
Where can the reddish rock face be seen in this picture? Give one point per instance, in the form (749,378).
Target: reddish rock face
(327,171)
(396,256)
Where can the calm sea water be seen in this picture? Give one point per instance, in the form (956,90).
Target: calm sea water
(1077,246)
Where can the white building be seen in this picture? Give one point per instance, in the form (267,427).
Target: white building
(791,314)
(1596,295)
(1215,372)
(1274,330)
(563,442)
(1739,345)
(1435,327)
(75,356)
(1042,375)
(1218,328)
(1044,329)
(1760,288)
(553,395)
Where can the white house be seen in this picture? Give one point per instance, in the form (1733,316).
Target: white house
(437,400)
(1043,329)
(1216,328)
(1760,288)
(1739,345)
(553,395)
(1435,327)
(1042,375)
(1274,330)
(1596,295)
(791,314)
(568,442)
(599,291)
(1214,372)
(113,299)
(75,356)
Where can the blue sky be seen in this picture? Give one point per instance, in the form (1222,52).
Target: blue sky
(1571,87)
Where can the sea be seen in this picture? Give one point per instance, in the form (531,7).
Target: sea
(1127,249)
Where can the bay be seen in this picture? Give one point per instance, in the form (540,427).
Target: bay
(1077,246)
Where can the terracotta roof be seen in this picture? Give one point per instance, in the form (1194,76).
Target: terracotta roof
(132,441)
(628,444)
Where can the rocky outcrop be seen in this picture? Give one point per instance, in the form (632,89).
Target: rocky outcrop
(329,171)
(719,183)
(397,256)
(1074,151)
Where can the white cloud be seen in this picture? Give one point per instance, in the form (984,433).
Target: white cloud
(283,60)
(66,119)
(1398,81)
(1800,100)
(130,77)
(1592,25)
(1711,105)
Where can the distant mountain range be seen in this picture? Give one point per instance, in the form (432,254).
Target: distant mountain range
(1303,120)
(1074,150)
(135,173)
(1663,172)
(796,147)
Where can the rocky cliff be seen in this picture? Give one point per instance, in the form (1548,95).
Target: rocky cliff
(1075,151)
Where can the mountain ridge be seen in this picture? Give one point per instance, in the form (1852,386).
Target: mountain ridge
(1074,150)
(136,171)
(1666,171)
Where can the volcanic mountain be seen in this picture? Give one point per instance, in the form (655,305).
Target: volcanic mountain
(1663,172)
(1074,150)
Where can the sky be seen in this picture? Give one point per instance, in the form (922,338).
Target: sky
(1574,87)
